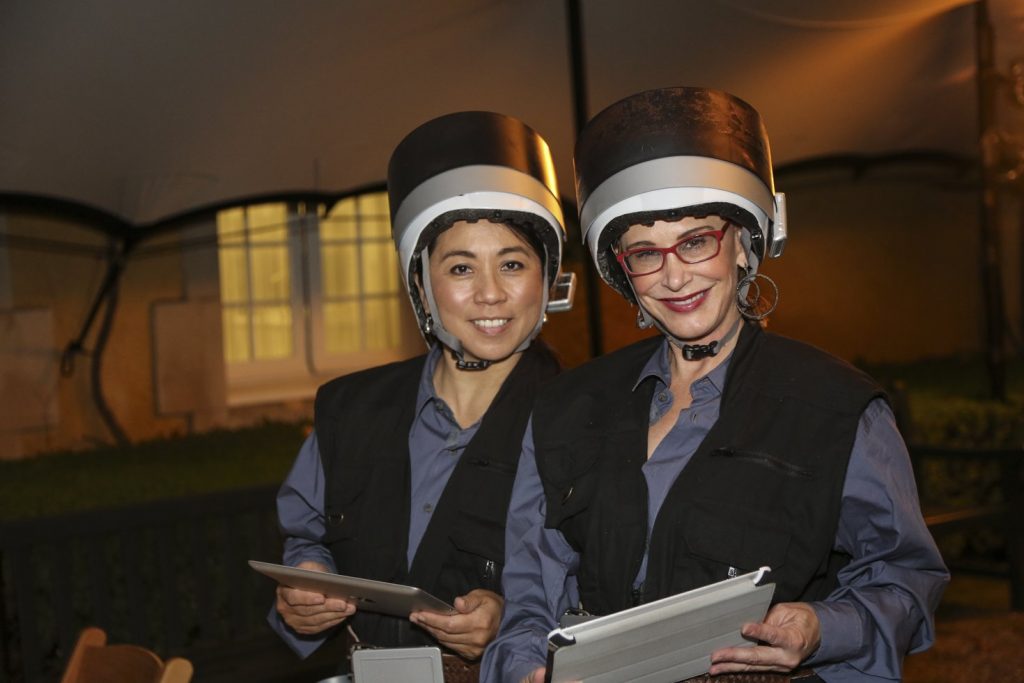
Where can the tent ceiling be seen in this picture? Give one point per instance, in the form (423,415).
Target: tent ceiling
(147,109)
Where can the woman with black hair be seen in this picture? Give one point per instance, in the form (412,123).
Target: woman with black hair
(407,475)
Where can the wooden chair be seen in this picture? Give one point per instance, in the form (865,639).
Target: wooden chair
(93,661)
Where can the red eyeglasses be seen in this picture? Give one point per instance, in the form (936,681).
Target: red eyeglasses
(693,249)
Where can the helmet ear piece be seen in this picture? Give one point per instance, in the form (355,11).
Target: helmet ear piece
(417,286)
(777,232)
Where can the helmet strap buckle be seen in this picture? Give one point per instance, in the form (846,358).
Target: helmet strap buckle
(699,351)
(472,365)
(711,349)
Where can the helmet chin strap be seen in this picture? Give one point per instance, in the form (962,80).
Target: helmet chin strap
(462,364)
(438,329)
(699,351)
(453,343)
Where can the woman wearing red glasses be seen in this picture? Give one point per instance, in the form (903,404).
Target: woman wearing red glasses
(714,448)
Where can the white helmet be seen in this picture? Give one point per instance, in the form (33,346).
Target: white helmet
(671,153)
(471,166)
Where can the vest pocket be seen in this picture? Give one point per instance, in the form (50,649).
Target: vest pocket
(732,539)
(478,553)
(570,476)
(339,525)
(766,460)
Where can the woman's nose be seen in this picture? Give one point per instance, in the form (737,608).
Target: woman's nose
(489,288)
(675,273)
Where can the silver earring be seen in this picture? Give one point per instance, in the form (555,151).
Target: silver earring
(750,298)
(428,325)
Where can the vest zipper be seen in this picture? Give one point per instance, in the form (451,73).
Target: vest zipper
(489,570)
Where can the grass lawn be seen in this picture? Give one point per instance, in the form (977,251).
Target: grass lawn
(946,401)
(107,477)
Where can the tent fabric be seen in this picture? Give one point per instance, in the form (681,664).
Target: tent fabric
(147,110)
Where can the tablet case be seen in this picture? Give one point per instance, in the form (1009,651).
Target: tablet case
(369,596)
(663,641)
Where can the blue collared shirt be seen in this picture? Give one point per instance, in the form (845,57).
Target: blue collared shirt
(436,442)
(679,445)
(886,596)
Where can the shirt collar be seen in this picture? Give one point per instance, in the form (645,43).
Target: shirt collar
(426,393)
(657,367)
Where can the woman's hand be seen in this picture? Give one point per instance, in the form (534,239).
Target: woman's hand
(789,634)
(310,613)
(471,628)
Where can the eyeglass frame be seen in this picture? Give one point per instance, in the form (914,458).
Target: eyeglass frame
(717,234)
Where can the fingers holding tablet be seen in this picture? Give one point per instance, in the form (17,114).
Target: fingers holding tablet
(310,612)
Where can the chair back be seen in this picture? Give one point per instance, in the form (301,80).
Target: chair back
(94,661)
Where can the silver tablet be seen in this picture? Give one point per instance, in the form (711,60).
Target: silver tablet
(663,641)
(387,665)
(369,596)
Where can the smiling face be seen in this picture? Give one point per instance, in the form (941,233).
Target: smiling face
(694,302)
(488,284)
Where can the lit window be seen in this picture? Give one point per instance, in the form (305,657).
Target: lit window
(361,292)
(306,296)
(255,277)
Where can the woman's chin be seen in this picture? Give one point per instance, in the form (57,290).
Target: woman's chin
(696,334)
(698,327)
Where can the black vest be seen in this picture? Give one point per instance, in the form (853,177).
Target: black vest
(362,425)
(763,488)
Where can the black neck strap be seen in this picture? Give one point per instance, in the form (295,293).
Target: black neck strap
(701,351)
(462,364)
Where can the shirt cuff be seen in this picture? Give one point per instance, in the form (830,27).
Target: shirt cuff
(315,552)
(302,645)
(842,632)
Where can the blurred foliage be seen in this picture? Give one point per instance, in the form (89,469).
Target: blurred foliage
(961,376)
(944,403)
(63,482)
(967,423)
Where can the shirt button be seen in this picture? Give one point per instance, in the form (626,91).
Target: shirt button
(428,508)
(662,397)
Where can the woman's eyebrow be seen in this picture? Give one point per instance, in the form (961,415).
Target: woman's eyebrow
(679,236)
(697,228)
(638,243)
(458,253)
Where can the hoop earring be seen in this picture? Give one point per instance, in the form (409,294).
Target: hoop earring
(428,325)
(750,299)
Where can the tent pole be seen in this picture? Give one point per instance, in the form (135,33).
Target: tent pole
(106,296)
(992,288)
(580,117)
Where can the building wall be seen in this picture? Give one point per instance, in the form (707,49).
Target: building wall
(163,369)
(884,269)
(57,277)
